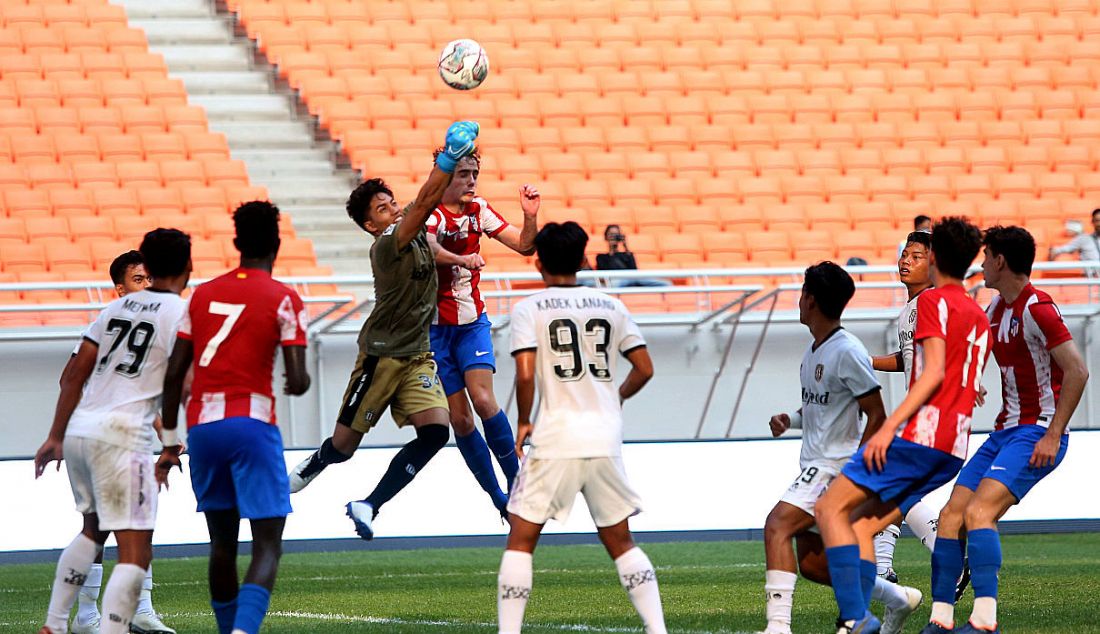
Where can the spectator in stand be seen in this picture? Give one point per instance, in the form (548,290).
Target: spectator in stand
(1086,245)
(920,223)
(619,258)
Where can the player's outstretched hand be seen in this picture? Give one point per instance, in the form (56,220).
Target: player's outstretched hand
(980,400)
(779,423)
(874,452)
(523,430)
(169,457)
(47,453)
(472,262)
(461,142)
(1046,451)
(529,201)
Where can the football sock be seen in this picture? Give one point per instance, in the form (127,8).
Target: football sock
(120,598)
(252,602)
(779,586)
(72,571)
(889,594)
(984,548)
(923,521)
(947,565)
(844,570)
(885,542)
(224,612)
(640,582)
(408,462)
(476,454)
(513,590)
(145,601)
(498,433)
(867,576)
(87,608)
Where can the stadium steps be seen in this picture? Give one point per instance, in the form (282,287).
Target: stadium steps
(261,121)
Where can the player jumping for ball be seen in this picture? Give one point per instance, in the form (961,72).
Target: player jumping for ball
(461,338)
(395,368)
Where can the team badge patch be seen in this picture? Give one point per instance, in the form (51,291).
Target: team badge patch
(819,371)
(1014,326)
(912,318)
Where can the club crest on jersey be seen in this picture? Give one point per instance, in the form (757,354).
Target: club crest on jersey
(1014,326)
(819,372)
(912,318)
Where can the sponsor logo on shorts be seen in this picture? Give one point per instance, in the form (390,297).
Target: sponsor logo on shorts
(996,468)
(479,353)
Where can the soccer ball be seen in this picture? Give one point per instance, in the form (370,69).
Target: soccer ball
(463,64)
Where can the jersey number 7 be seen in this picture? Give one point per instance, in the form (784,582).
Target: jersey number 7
(232,313)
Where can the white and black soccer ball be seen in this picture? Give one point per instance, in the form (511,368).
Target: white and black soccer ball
(463,64)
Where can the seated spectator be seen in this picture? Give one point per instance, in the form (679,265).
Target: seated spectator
(920,223)
(1085,245)
(619,258)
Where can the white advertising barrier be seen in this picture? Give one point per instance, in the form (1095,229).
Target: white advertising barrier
(685,486)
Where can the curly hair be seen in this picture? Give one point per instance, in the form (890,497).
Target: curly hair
(257,225)
(359,200)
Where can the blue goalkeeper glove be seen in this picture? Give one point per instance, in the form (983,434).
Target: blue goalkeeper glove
(460,143)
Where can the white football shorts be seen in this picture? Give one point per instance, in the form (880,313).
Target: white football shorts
(546,489)
(811,484)
(115,483)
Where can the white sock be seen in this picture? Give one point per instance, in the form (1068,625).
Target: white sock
(943,613)
(890,594)
(72,571)
(145,600)
(885,542)
(87,604)
(779,586)
(985,612)
(640,582)
(923,521)
(513,590)
(120,598)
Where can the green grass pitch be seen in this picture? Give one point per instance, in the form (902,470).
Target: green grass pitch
(1049,584)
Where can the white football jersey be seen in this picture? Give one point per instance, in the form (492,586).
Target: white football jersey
(834,376)
(135,335)
(907,322)
(577,334)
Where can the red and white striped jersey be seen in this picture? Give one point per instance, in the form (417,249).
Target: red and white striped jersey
(949,313)
(1024,333)
(237,322)
(459,300)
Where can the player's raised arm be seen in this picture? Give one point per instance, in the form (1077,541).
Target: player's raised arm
(73,379)
(461,138)
(471,262)
(641,371)
(522,240)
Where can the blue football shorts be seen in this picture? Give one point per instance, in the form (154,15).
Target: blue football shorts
(912,471)
(458,349)
(1004,457)
(237,463)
